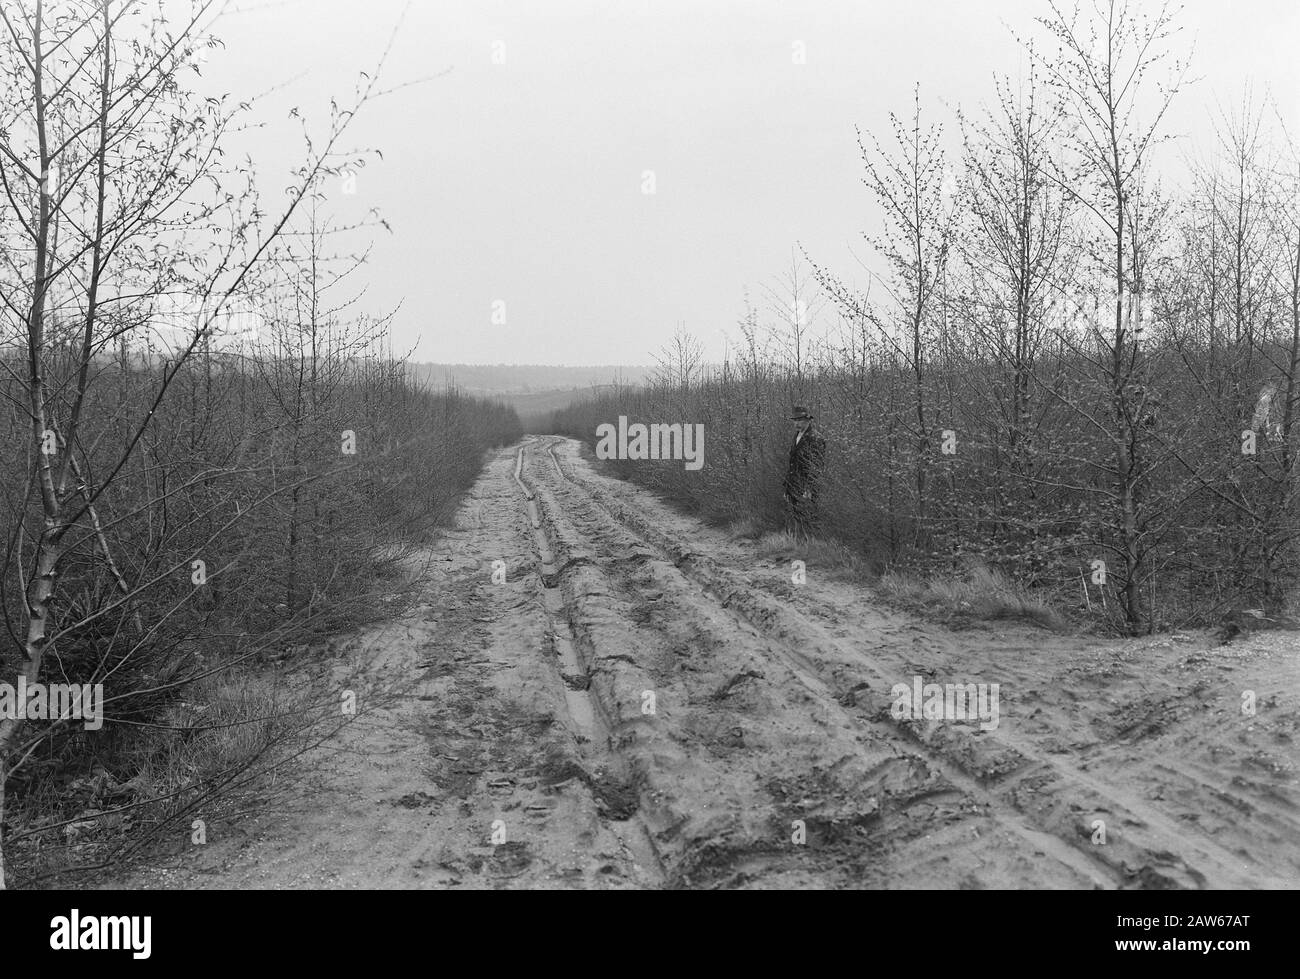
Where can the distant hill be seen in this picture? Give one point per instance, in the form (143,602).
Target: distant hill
(535,391)
(523,379)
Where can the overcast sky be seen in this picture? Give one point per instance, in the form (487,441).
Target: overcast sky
(522,182)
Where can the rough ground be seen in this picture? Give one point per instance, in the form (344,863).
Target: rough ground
(529,716)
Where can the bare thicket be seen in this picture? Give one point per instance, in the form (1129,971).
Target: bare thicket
(207,451)
(1064,368)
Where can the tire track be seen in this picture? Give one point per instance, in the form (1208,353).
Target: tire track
(1007,773)
(605,771)
(876,741)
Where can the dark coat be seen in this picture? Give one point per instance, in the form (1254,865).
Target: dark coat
(807,456)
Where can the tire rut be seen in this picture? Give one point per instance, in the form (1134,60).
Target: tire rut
(1016,780)
(862,754)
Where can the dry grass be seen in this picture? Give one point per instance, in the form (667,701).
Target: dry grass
(209,757)
(747,528)
(815,551)
(984,593)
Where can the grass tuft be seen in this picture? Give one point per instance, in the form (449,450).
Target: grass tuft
(781,545)
(984,593)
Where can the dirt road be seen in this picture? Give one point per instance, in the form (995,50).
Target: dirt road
(636,700)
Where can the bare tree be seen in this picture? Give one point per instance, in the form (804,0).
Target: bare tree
(908,185)
(116,199)
(1100,74)
(794,303)
(1013,250)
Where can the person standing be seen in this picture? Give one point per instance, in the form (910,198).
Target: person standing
(807,456)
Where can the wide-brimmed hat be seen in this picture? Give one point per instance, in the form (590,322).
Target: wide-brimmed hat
(800,414)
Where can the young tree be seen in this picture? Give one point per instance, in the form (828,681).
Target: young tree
(1013,250)
(908,185)
(116,201)
(1101,74)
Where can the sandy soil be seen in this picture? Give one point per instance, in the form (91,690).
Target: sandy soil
(646,702)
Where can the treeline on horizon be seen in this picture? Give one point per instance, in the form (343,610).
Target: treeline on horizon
(1069,372)
(491,379)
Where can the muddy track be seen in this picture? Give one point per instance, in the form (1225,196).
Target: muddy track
(604,769)
(952,797)
(599,692)
(869,802)
(1001,786)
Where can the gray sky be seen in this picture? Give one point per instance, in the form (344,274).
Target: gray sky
(521,182)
